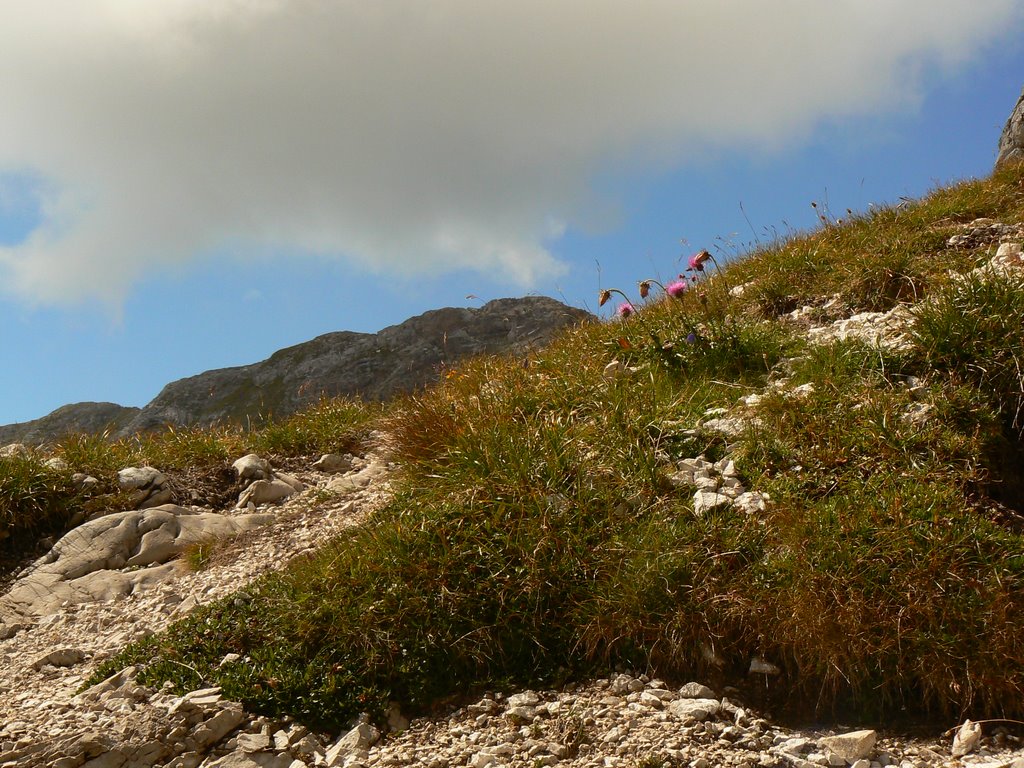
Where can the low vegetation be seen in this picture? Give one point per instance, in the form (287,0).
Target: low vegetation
(39,499)
(537,532)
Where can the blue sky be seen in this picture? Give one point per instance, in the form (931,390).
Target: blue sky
(189,185)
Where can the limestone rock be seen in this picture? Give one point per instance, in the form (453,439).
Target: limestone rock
(696,691)
(361,737)
(265,492)
(1011,141)
(296,484)
(62,657)
(252,467)
(132,478)
(333,462)
(705,501)
(751,502)
(694,709)
(966,738)
(85,564)
(851,746)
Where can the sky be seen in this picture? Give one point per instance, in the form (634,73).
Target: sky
(194,184)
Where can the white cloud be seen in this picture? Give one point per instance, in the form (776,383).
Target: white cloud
(410,134)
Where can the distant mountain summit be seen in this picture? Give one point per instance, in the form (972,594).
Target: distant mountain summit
(78,417)
(373,366)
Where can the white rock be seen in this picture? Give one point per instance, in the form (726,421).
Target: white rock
(265,492)
(648,699)
(739,290)
(62,657)
(694,709)
(57,464)
(1009,253)
(252,467)
(751,502)
(524,699)
(695,690)
(732,426)
(794,746)
(293,481)
(361,737)
(253,742)
(132,478)
(804,390)
(705,501)
(966,738)
(851,746)
(333,462)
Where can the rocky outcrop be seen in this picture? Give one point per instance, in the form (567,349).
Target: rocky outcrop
(1011,141)
(377,366)
(113,556)
(77,417)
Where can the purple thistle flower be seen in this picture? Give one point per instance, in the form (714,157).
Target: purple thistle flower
(676,289)
(624,310)
(698,259)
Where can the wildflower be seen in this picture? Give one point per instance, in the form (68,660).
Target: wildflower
(625,310)
(603,297)
(645,288)
(676,289)
(691,338)
(698,259)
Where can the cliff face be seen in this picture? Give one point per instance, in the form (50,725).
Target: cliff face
(373,366)
(1011,141)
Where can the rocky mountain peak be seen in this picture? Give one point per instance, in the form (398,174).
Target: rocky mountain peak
(1011,141)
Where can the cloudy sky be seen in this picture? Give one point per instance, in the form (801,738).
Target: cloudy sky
(189,184)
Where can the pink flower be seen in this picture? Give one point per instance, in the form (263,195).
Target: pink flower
(676,289)
(698,259)
(625,310)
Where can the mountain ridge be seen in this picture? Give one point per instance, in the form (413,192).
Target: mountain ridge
(397,359)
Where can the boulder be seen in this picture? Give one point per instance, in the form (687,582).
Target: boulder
(132,478)
(694,709)
(252,467)
(850,746)
(265,492)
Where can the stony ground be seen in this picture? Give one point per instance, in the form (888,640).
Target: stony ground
(625,720)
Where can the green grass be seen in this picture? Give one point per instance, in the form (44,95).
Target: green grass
(35,500)
(535,534)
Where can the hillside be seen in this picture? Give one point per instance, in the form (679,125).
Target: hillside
(795,477)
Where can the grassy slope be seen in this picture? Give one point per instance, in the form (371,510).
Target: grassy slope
(535,533)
